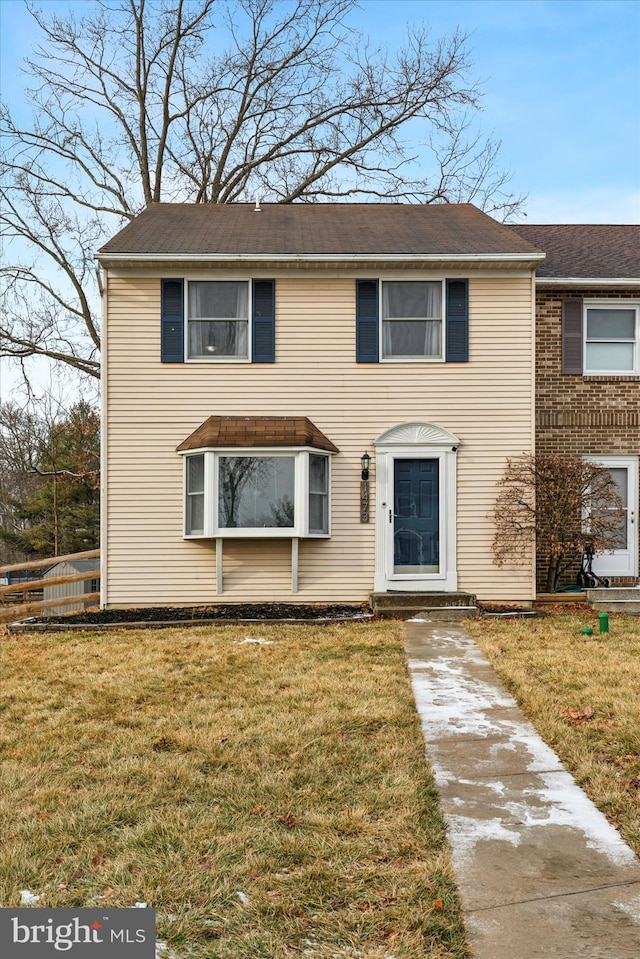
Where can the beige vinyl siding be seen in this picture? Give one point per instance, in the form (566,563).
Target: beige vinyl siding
(152,407)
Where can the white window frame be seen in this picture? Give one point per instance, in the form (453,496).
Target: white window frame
(213,358)
(617,304)
(443,323)
(188,495)
(300,529)
(621,562)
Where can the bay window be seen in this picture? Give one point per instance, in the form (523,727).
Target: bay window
(271,493)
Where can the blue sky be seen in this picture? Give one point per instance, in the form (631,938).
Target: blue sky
(561,82)
(561,91)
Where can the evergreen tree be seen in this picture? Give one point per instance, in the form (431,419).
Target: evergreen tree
(50,496)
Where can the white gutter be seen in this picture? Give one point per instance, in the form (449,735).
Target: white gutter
(323,258)
(581,281)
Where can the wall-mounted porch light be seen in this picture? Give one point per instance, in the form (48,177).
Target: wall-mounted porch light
(365,461)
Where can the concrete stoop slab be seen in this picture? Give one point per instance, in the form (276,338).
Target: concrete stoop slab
(541,872)
(616,600)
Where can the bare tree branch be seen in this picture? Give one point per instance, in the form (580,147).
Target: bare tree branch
(563,504)
(142,101)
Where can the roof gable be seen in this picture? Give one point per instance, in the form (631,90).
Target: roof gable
(316,230)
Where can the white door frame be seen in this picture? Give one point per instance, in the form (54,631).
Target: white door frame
(415,440)
(622,562)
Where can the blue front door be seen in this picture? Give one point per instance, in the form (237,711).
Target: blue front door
(416,516)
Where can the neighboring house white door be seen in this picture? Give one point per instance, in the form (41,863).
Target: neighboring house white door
(415,509)
(624,560)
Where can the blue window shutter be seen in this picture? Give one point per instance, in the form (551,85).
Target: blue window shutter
(367,350)
(457,321)
(172,321)
(572,336)
(264,322)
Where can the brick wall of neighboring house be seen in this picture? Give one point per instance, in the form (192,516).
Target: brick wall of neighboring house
(597,415)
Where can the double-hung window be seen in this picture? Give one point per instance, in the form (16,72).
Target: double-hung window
(412,320)
(611,337)
(318,494)
(218,319)
(194,489)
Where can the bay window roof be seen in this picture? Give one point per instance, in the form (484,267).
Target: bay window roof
(246,432)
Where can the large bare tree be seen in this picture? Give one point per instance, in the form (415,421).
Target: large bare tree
(211,101)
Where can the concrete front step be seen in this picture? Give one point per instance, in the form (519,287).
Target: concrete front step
(448,607)
(617,600)
(421,600)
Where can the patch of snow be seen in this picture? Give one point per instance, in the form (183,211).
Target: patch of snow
(466,832)
(254,642)
(572,807)
(28,898)
(140,905)
(631,909)
(456,699)
(244,899)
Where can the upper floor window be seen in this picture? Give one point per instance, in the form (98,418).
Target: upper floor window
(217,320)
(611,337)
(412,319)
(218,312)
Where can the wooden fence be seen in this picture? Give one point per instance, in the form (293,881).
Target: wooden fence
(19,599)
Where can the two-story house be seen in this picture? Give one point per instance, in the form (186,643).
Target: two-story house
(588,361)
(254,357)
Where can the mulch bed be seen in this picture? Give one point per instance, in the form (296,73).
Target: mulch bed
(228,612)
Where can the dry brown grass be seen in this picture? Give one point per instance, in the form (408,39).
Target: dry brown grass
(555,672)
(184,767)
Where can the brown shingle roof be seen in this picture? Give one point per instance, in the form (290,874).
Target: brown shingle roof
(315,229)
(231,432)
(585,250)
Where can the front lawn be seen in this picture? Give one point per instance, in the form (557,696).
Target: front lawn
(269,799)
(583,695)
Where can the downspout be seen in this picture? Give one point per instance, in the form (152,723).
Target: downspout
(103,285)
(533,408)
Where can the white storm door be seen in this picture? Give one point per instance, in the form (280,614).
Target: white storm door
(416,519)
(623,561)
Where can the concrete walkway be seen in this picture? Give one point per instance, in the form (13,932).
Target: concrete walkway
(541,873)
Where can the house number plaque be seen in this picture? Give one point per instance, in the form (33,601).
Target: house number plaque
(364,501)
